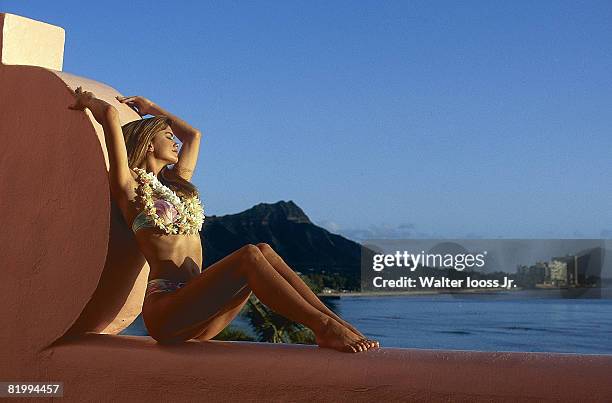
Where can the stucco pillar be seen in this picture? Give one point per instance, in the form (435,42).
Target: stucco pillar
(68,259)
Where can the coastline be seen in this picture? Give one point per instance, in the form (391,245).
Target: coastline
(574,292)
(409,293)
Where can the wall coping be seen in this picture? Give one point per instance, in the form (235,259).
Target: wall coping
(123,367)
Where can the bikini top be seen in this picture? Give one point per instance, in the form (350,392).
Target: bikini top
(162,208)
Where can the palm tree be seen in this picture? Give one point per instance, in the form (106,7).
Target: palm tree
(233,333)
(269,326)
(273,328)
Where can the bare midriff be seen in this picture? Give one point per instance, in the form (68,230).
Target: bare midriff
(177,258)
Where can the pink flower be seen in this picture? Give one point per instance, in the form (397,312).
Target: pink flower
(165,211)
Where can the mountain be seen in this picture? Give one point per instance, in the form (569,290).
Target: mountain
(304,246)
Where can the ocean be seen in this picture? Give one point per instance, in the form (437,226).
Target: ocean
(516,321)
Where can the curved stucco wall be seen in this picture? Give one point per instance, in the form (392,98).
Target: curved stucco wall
(69,260)
(119,296)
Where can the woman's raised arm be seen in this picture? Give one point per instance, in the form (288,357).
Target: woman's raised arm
(189,136)
(119,172)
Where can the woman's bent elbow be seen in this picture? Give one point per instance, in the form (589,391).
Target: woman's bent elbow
(110,113)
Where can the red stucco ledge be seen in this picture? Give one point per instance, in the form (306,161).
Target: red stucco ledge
(103,367)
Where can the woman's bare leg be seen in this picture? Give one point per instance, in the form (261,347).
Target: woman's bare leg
(220,322)
(208,295)
(296,282)
(228,309)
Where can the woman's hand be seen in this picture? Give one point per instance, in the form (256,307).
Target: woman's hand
(82,99)
(99,109)
(142,106)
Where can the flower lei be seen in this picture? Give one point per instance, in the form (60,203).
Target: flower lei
(190,210)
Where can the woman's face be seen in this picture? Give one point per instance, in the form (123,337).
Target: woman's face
(165,146)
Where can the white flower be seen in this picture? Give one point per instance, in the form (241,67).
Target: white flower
(190,211)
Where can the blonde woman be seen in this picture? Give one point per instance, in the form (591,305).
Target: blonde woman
(163,208)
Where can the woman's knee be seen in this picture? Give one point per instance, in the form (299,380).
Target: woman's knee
(251,253)
(267,251)
(262,246)
(251,259)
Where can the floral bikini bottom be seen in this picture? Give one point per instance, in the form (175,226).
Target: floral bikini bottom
(162,285)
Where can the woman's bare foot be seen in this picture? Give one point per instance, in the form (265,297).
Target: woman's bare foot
(337,336)
(369,342)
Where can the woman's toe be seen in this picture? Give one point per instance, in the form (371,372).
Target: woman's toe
(362,343)
(352,348)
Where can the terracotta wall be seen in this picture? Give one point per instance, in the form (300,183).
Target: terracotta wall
(70,260)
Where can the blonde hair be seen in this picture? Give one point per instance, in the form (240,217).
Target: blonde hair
(137,135)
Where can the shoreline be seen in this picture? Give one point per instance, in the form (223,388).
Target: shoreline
(483,291)
(408,293)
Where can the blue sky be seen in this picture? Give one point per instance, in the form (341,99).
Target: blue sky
(378,118)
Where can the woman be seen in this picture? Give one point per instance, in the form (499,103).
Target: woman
(181,301)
